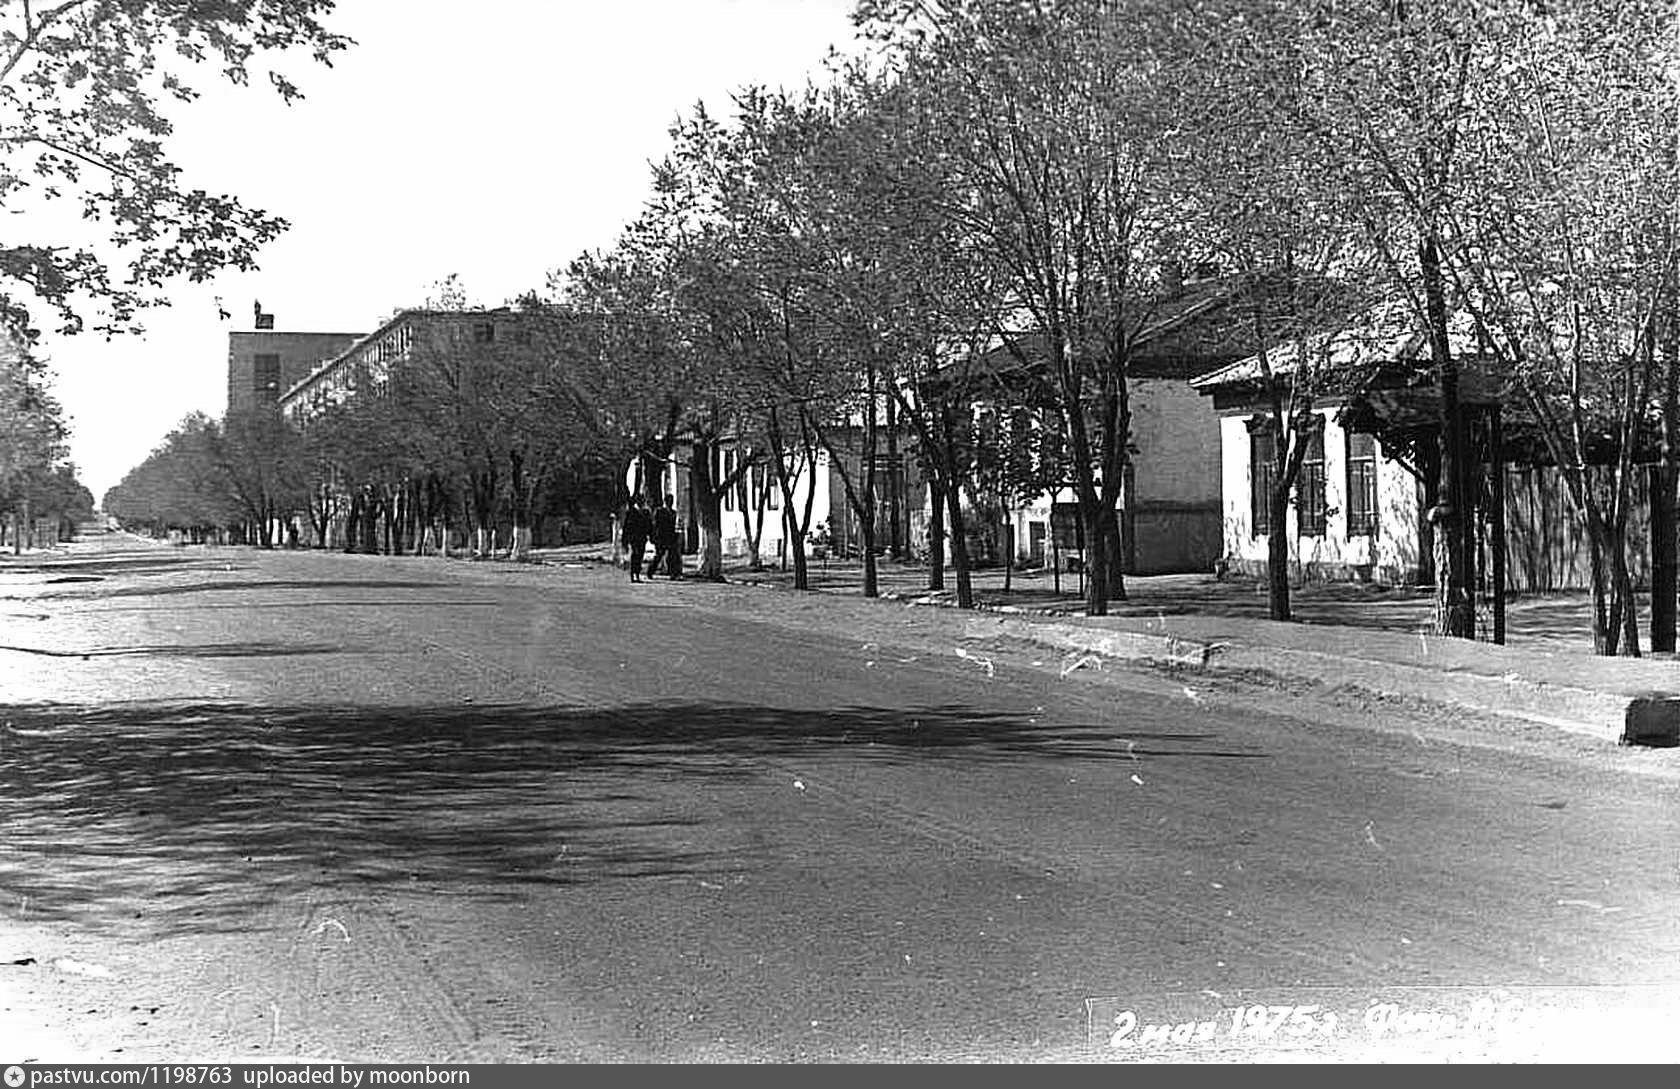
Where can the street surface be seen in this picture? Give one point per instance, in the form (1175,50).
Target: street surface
(373,809)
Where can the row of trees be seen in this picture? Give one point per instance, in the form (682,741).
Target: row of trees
(102,219)
(467,436)
(1495,178)
(38,484)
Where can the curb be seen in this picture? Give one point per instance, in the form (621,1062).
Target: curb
(1649,720)
(1626,718)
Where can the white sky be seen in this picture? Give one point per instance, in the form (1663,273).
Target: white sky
(497,139)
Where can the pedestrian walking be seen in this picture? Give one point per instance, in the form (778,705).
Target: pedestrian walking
(665,540)
(638,526)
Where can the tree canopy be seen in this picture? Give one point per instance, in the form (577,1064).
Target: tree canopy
(86,92)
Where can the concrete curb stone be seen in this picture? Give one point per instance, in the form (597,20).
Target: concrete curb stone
(1647,719)
(1613,700)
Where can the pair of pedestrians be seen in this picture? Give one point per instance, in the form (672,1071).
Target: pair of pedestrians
(661,527)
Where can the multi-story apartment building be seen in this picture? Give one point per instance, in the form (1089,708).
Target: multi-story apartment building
(263,364)
(367,361)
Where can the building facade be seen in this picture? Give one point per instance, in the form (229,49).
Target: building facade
(1169,504)
(264,364)
(365,362)
(1356,513)
(1361,502)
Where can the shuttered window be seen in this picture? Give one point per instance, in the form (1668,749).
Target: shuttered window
(1361,484)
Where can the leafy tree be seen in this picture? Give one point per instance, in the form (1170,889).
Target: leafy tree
(1387,94)
(261,458)
(1565,250)
(32,433)
(676,328)
(877,304)
(37,482)
(1050,124)
(179,486)
(546,426)
(1253,201)
(85,88)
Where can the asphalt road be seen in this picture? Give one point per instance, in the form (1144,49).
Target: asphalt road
(324,806)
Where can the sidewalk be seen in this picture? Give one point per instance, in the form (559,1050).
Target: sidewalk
(1352,636)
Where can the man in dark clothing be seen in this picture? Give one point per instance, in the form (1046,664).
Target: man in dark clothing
(665,540)
(638,525)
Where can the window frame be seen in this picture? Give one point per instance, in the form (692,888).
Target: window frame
(1362,492)
(268,362)
(1312,499)
(1262,470)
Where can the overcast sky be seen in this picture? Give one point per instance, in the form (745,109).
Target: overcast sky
(497,139)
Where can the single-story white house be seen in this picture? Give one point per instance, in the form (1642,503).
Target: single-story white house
(1370,473)
(1360,498)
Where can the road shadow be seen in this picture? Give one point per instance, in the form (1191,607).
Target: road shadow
(68,568)
(195,650)
(169,817)
(246,585)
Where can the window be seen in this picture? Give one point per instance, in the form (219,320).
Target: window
(763,484)
(265,374)
(1262,470)
(1310,505)
(726,465)
(484,332)
(1361,484)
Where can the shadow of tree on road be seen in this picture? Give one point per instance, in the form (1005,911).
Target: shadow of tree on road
(162,817)
(238,586)
(191,650)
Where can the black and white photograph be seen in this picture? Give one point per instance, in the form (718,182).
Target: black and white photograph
(719,532)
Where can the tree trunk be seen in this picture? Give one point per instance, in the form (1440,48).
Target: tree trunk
(755,519)
(1455,613)
(959,549)
(895,485)
(1664,559)
(794,525)
(1114,553)
(867,511)
(1096,555)
(936,535)
(1606,621)
(371,514)
(353,523)
(1277,553)
(1629,604)
(523,486)
(1008,552)
(1665,552)
(796,548)
(708,509)
(955,529)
